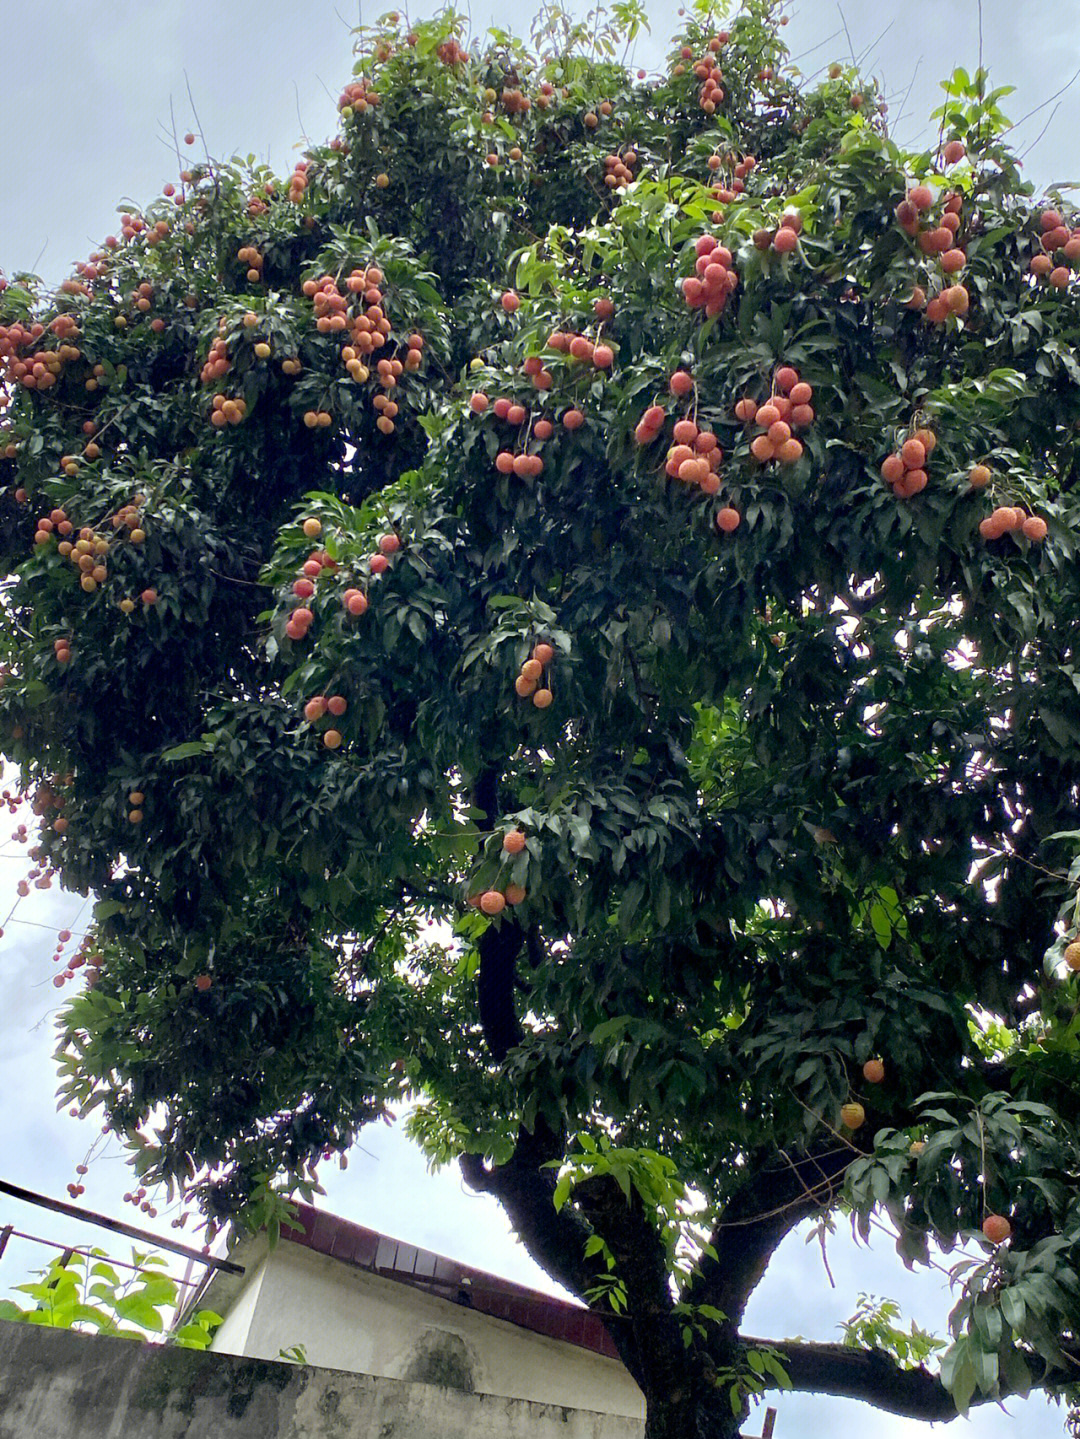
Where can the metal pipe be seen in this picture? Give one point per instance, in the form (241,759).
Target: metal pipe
(117,1226)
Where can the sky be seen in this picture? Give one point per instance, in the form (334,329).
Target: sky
(88,110)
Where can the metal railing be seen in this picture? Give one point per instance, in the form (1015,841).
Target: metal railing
(115,1226)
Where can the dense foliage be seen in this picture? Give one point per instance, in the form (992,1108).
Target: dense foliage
(565,610)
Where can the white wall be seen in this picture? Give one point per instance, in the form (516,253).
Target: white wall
(347,1318)
(232,1336)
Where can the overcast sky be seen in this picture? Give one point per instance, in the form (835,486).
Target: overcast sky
(87,124)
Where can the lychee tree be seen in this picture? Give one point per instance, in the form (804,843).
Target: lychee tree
(564,611)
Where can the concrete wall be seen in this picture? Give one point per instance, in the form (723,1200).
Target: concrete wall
(59,1385)
(347,1318)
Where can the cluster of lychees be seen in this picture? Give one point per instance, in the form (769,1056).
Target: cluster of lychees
(707,70)
(580,347)
(694,456)
(359,313)
(788,408)
(785,238)
(358,98)
(320,564)
(88,551)
(527,685)
(318,707)
(524,463)
(1006,518)
(619,168)
(494,901)
(251,257)
(1055,238)
(936,236)
(713,279)
(904,471)
(217,361)
(36,369)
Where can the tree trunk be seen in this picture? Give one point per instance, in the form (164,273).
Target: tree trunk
(693,1411)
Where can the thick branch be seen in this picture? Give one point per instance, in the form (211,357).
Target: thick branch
(499,948)
(865,1374)
(778,1195)
(556,1239)
(649,1336)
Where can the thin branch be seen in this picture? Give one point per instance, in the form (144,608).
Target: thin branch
(1048,101)
(875,43)
(1025,153)
(299,120)
(201,134)
(907,94)
(847,32)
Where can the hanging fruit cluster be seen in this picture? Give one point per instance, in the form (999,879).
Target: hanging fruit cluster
(708,72)
(695,457)
(714,279)
(1008,518)
(784,240)
(360,314)
(451,53)
(1056,238)
(904,471)
(226,411)
(936,237)
(88,550)
(788,408)
(298,182)
(319,564)
(527,685)
(619,168)
(217,362)
(357,98)
(36,369)
(580,347)
(524,460)
(248,255)
(318,707)
(494,901)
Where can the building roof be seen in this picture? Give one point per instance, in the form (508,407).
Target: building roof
(447,1279)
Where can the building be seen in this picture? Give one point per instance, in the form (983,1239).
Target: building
(360,1301)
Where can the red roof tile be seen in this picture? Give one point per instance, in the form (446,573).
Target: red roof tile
(458,1283)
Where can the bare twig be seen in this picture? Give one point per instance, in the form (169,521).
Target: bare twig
(1048,101)
(907,92)
(847,32)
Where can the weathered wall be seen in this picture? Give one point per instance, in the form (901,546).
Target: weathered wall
(58,1385)
(347,1318)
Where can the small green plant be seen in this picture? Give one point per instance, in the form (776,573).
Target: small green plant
(295,1354)
(84,1292)
(873,1326)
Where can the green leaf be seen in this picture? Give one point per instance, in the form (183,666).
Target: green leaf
(188,750)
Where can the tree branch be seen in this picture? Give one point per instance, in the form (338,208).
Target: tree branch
(525,1188)
(847,1373)
(776,1197)
(556,1239)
